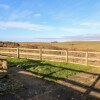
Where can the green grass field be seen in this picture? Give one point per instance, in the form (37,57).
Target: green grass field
(51,71)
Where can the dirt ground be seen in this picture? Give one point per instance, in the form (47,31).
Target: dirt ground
(83,86)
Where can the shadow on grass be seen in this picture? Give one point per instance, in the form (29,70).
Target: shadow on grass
(73,91)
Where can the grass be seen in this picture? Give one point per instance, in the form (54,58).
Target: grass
(75,45)
(48,70)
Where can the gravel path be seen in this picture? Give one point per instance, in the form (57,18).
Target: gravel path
(83,86)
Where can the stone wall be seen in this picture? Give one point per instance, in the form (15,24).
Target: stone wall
(3,67)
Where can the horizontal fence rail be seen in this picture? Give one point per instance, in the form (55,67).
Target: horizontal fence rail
(76,57)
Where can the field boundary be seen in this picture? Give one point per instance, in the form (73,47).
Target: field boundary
(75,57)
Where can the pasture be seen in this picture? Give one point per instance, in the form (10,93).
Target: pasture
(44,80)
(32,75)
(47,69)
(75,45)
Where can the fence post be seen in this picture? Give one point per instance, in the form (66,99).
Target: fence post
(17,52)
(86,58)
(40,53)
(67,56)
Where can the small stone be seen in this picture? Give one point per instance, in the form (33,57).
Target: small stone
(58,96)
(72,98)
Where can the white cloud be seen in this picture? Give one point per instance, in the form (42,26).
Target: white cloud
(86,24)
(72,30)
(25,25)
(4,6)
(19,14)
(85,37)
(90,24)
(37,15)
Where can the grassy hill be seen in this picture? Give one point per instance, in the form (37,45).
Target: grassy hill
(84,46)
(90,46)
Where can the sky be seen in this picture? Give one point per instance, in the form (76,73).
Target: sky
(49,20)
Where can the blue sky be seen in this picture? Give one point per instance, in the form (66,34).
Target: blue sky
(49,20)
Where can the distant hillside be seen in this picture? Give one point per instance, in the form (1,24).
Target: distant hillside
(84,46)
(37,45)
(8,44)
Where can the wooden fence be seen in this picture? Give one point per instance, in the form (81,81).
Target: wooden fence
(76,57)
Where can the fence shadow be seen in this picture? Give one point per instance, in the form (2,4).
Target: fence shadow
(63,89)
